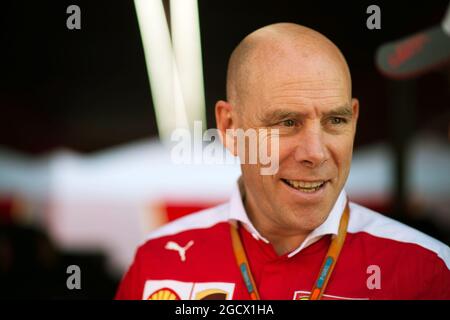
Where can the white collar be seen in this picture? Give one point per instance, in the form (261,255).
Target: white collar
(329,226)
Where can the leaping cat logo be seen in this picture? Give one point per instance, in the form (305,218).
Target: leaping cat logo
(172,245)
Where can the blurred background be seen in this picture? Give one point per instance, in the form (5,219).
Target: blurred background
(85,168)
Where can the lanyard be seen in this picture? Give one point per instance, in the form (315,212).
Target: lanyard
(325,271)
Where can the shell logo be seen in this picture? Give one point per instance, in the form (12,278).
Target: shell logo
(301,296)
(164,294)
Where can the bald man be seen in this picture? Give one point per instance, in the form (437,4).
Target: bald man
(292,234)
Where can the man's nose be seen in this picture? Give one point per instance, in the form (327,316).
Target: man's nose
(310,150)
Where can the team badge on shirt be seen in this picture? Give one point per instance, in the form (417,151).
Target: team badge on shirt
(179,290)
(164,294)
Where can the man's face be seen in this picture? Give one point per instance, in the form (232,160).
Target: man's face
(316,118)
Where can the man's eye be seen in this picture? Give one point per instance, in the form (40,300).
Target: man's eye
(337,120)
(289,123)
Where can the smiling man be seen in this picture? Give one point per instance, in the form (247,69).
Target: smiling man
(293,79)
(292,234)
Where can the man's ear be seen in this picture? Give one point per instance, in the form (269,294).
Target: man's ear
(226,125)
(355,109)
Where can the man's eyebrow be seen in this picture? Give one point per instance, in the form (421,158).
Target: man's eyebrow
(344,111)
(279,115)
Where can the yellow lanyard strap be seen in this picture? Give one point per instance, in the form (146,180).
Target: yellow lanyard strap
(242,262)
(325,271)
(331,258)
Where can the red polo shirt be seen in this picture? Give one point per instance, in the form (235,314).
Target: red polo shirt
(192,258)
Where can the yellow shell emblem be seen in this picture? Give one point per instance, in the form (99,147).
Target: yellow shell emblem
(164,294)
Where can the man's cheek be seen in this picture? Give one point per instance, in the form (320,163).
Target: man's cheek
(269,154)
(285,150)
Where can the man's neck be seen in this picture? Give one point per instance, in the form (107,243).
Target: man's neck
(282,241)
(283,245)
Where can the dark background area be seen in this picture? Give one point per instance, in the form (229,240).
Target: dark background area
(88,89)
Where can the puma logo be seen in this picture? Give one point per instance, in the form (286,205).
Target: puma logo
(171,245)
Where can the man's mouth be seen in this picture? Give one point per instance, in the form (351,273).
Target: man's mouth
(305,186)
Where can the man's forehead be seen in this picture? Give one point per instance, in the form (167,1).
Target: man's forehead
(310,76)
(280,64)
(292,55)
(325,90)
(305,98)
(304,85)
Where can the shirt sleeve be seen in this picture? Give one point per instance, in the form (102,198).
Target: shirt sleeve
(439,288)
(131,286)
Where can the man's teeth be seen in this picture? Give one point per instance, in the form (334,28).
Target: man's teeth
(305,186)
